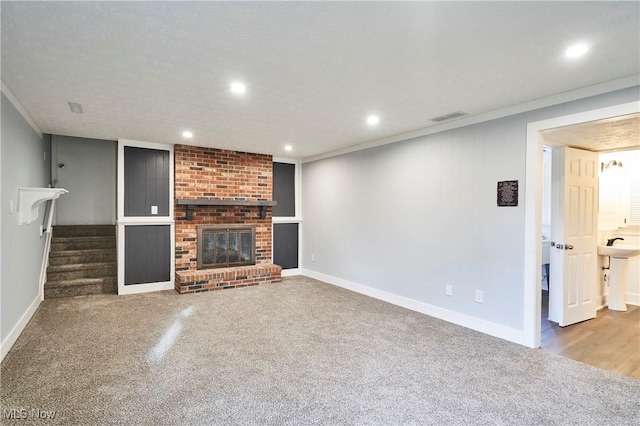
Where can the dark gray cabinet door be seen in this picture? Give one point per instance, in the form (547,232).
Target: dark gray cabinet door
(284,189)
(146,181)
(147,254)
(285,245)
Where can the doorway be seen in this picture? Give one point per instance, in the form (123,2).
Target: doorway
(611,339)
(533,203)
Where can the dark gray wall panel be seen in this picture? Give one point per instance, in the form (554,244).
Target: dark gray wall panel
(285,245)
(284,190)
(146,181)
(147,254)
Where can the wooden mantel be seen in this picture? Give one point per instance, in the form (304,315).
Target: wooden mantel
(192,202)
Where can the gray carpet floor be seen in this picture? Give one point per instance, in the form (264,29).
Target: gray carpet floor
(299,352)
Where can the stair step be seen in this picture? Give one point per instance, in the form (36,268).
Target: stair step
(82,261)
(66,257)
(80,239)
(79,287)
(66,253)
(82,243)
(84,230)
(82,270)
(81,266)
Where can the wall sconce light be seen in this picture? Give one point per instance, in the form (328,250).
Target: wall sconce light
(612,163)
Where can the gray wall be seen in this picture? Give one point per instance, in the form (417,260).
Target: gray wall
(23,165)
(411,217)
(89,174)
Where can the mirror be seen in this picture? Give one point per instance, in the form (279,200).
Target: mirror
(619,203)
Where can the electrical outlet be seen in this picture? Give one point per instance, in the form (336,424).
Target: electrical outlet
(313,257)
(449,290)
(154,209)
(479,296)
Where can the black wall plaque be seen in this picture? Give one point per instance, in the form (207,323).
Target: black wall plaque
(508,193)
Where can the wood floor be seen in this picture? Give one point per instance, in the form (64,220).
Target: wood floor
(610,341)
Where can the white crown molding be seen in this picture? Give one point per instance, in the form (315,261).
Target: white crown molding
(571,95)
(276,159)
(14,101)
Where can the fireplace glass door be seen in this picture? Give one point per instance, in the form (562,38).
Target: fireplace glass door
(221,247)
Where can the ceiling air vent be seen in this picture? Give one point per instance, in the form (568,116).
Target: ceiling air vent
(449,116)
(75,107)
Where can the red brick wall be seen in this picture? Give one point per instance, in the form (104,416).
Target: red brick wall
(220,174)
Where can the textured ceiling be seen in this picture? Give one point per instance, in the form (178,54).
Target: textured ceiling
(603,135)
(314,70)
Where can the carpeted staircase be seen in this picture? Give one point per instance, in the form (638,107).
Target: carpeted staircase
(82,261)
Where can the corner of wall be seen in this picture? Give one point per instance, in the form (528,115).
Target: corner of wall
(18,106)
(22,166)
(13,335)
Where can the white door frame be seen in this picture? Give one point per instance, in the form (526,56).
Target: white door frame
(291,219)
(124,221)
(533,208)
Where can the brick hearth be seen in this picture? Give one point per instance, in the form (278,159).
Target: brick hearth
(227,175)
(225,278)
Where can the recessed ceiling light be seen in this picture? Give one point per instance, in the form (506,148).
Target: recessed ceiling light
(288,148)
(238,88)
(576,50)
(373,120)
(187,134)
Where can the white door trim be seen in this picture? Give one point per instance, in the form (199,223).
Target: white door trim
(124,221)
(291,219)
(533,208)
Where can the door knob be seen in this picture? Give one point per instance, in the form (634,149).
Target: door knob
(61,165)
(559,246)
(569,247)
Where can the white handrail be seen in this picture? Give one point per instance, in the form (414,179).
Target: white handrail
(29,199)
(47,248)
(50,221)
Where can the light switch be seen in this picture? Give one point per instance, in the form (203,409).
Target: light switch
(154,209)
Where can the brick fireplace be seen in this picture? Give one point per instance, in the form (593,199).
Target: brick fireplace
(205,175)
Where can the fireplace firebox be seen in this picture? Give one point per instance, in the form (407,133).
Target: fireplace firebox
(225,246)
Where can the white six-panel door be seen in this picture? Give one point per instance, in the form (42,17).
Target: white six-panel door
(574,236)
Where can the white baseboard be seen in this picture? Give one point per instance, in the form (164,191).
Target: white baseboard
(632,299)
(483,326)
(601,302)
(291,272)
(629,299)
(145,288)
(9,341)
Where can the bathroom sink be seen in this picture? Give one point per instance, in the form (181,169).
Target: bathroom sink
(620,252)
(618,268)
